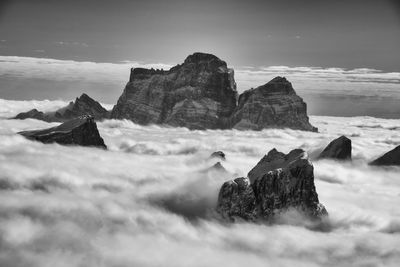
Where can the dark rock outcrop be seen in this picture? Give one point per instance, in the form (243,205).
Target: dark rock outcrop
(198,94)
(391,158)
(276,184)
(340,149)
(236,200)
(32,114)
(79,131)
(273,105)
(83,105)
(218,154)
(201,94)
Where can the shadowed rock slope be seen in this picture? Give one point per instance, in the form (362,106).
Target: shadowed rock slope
(276,184)
(83,105)
(390,158)
(79,131)
(201,94)
(340,149)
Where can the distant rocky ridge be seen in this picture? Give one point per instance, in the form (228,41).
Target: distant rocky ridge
(201,94)
(78,131)
(83,105)
(276,184)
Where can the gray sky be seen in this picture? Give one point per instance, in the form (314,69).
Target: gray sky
(326,33)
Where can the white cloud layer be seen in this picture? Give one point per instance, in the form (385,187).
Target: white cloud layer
(148,200)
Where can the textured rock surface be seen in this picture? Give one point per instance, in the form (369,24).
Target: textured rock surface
(340,148)
(276,184)
(390,158)
(273,105)
(83,105)
(201,94)
(79,131)
(236,200)
(198,94)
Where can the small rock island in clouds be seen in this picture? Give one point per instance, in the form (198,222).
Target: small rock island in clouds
(126,139)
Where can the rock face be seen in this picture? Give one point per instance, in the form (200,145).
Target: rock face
(236,200)
(79,131)
(277,183)
(272,105)
(339,148)
(198,94)
(390,158)
(201,94)
(83,105)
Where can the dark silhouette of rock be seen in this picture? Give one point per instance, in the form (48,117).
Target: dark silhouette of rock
(79,131)
(198,94)
(201,94)
(218,154)
(273,105)
(340,149)
(390,158)
(32,114)
(83,105)
(276,184)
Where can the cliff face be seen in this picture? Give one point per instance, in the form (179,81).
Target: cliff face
(199,94)
(83,105)
(277,183)
(273,105)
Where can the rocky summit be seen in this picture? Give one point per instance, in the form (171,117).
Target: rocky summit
(279,182)
(339,149)
(391,158)
(272,105)
(201,94)
(79,131)
(83,105)
(198,94)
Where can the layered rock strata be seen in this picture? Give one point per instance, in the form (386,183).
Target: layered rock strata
(201,94)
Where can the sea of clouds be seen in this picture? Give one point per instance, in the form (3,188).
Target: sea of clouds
(149,199)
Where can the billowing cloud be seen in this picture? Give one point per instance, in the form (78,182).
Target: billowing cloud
(148,200)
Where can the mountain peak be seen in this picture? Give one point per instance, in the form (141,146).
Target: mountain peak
(199,57)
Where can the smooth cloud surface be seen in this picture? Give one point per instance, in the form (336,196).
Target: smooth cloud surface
(148,200)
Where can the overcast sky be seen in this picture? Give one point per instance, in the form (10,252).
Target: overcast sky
(325,33)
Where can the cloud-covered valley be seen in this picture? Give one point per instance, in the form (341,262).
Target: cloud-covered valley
(149,199)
